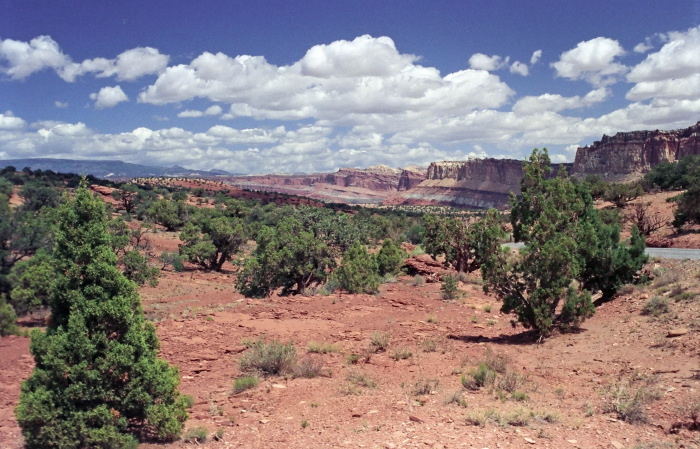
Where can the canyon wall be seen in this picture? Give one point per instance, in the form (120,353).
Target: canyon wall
(474,183)
(348,185)
(636,152)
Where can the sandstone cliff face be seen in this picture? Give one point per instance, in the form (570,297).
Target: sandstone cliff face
(475,183)
(410,178)
(351,185)
(636,152)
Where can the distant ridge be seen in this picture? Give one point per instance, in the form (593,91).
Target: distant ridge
(107,169)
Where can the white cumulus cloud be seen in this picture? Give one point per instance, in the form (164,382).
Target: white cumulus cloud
(108,97)
(520,68)
(671,72)
(9,122)
(21,59)
(555,102)
(363,56)
(376,85)
(592,61)
(535,58)
(127,66)
(480,61)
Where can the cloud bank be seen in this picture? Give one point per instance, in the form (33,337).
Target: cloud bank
(354,103)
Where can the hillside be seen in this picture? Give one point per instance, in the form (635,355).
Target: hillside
(107,169)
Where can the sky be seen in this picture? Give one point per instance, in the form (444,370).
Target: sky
(298,87)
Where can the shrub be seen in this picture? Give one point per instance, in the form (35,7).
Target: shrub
(196,435)
(510,382)
(309,367)
(417,280)
(329,287)
(188,400)
(496,361)
(322,348)
(456,397)
(628,405)
(424,386)
(173,259)
(358,272)
(479,377)
(401,354)
(245,383)
(390,258)
(449,288)
(379,341)
(8,319)
(519,396)
(269,358)
(361,379)
(656,306)
(429,345)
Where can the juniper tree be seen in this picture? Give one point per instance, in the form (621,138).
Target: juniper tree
(569,253)
(97,380)
(358,271)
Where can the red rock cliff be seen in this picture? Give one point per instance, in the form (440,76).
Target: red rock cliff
(636,152)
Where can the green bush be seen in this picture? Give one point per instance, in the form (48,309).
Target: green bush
(656,306)
(450,288)
(358,272)
(196,435)
(245,383)
(390,258)
(479,377)
(269,358)
(8,319)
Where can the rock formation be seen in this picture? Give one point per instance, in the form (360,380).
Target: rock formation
(349,185)
(474,183)
(636,152)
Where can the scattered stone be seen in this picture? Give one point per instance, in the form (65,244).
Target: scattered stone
(280,386)
(529,440)
(572,441)
(414,418)
(677,332)
(617,444)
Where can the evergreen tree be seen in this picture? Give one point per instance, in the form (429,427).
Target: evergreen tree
(566,240)
(8,318)
(390,258)
(358,271)
(287,256)
(97,381)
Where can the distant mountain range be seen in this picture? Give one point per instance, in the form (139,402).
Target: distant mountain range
(109,169)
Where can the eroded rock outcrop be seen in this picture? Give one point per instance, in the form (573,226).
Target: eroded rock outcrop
(350,185)
(474,183)
(636,152)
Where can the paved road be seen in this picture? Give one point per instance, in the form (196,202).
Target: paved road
(664,253)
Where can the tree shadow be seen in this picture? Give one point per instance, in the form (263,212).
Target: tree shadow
(527,337)
(523,338)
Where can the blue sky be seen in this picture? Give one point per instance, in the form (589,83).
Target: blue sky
(279,86)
